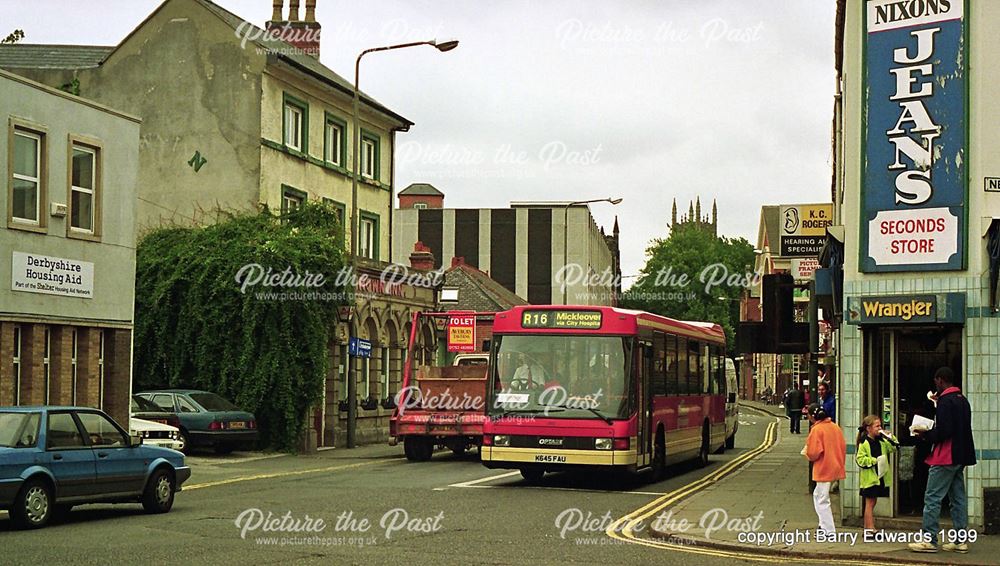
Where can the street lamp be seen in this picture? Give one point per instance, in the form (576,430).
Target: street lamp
(352,392)
(566,230)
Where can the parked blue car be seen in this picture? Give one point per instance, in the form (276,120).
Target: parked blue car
(52,458)
(207,419)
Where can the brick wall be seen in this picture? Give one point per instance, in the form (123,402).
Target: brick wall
(32,364)
(117,374)
(61,370)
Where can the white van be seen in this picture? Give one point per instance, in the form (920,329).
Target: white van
(732,407)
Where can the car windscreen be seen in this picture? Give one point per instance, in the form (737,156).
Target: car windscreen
(140,405)
(19,430)
(212,402)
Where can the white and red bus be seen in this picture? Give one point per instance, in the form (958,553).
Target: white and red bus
(578,387)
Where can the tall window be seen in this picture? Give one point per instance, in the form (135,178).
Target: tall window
(100,370)
(295,120)
(26,198)
(291,199)
(46,355)
(368,236)
(334,148)
(369,156)
(366,375)
(17,365)
(72,363)
(84,189)
(343,373)
(385,372)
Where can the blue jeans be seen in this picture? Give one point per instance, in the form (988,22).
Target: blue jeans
(941,481)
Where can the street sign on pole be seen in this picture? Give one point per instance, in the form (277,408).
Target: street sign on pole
(359,347)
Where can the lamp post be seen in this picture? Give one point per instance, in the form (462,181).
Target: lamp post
(566,208)
(352,387)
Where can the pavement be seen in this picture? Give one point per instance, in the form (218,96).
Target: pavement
(770,497)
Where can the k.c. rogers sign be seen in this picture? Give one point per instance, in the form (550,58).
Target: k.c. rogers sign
(914,187)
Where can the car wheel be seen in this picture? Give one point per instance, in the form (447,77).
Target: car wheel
(158,496)
(182,437)
(33,507)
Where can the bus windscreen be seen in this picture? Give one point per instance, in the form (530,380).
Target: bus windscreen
(562,376)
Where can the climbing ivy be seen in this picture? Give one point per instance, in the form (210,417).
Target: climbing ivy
(195,328)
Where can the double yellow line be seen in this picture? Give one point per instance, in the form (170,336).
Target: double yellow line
(624,528)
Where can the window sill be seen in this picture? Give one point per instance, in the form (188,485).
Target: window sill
(36,228)
(87,237)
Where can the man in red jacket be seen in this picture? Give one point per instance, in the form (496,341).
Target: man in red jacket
(953,451)
(827,450)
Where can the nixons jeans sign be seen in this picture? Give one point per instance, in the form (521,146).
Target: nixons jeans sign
(915,160)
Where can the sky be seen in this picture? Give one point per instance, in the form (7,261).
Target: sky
(646,100)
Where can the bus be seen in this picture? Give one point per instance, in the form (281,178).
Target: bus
(589,387)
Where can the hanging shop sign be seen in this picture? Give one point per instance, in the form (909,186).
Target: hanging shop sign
(942,308)
(914,188)
(803,228)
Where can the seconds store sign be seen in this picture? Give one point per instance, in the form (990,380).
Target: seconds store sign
(914,187)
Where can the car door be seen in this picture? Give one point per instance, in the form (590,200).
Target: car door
(120,468)
(69,457)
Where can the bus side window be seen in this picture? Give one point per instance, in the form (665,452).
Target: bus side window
(720,370)
(672,386)
(658,385)
(683,362)
(694,368)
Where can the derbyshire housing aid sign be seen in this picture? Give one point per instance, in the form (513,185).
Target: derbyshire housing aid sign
(914,186)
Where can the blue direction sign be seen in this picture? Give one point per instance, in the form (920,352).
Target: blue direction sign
(359,348)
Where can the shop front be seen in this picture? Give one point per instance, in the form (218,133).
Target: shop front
(905,338)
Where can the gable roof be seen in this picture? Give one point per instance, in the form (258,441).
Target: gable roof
(45,56)
(420,190)
(478,291)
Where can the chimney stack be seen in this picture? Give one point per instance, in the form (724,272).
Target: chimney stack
(301,34)
(421,258)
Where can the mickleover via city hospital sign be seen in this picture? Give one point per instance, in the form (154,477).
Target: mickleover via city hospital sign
(914,187)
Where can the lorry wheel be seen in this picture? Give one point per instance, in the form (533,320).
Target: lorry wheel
(410,448)
(458,450)
(425,449)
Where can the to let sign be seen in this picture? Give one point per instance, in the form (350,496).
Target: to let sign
(34,273)
(461,332)
(915,159)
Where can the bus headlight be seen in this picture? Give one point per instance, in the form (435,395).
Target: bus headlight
(501,440)
(602,443)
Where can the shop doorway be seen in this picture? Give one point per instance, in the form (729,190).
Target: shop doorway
(900,366)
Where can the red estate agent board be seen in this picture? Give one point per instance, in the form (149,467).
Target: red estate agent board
(461,332)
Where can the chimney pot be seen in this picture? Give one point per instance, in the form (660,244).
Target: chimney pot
(310,10)
(293,11)
(276,12)
(457,260)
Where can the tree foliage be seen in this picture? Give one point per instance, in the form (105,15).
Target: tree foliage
(694,275)
(195,328)
(14,37)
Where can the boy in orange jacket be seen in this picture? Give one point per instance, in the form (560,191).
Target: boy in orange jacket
(827,450)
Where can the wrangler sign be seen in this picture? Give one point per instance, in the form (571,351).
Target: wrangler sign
(914,186)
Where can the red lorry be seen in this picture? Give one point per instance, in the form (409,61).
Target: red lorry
(441,404)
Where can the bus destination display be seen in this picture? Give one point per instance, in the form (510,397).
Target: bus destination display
(589,320)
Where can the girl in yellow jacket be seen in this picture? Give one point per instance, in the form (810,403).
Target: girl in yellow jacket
(873,442)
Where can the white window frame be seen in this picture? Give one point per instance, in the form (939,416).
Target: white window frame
(293,120)
(420,205)
(17,365)
(37,180)
(366,238)
(46,365)
(367,158)
(73,364)
(333,150)
(92,191)
(385,372)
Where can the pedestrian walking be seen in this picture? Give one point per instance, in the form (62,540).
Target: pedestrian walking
(874,447)
(953,451)
(826,449)
(827,399)
(794,401)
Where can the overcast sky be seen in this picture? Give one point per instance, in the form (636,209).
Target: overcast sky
(571,100)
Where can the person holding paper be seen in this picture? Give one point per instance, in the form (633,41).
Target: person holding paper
(953,451)
(874,447)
